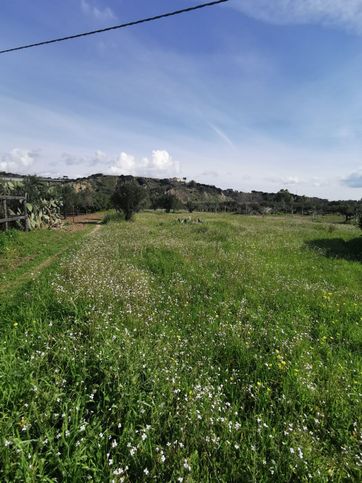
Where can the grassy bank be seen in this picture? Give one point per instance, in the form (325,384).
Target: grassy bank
(223,351)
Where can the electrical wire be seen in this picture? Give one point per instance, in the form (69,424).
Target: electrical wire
(116,27)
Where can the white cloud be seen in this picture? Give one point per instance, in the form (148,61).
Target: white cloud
(354,180)
(77,160)
(291,180)
(98,13)
(123,164)
(161,160)
(161,163)
(340,13)
(18,160)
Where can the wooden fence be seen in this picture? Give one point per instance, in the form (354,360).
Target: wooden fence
(7,220)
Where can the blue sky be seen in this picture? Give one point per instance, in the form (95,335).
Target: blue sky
(240,95)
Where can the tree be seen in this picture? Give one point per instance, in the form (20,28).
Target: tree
(359,208)
(156,201)
(170,202)
(285,199)
(191,206)
(348,211)
(68,195)
(128,197)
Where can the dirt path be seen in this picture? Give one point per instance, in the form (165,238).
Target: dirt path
(45,263)
(95,229)
(34,272)
(79,222)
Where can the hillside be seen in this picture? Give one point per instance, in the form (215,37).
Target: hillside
(93,193)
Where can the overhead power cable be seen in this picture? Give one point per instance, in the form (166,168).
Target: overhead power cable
(116,27)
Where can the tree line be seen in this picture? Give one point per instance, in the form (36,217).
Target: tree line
(130,194)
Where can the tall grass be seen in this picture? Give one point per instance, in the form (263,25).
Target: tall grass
(226,351)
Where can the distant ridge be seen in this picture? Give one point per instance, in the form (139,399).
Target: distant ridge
(205,197)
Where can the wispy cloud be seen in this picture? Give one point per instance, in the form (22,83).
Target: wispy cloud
(91,9)
(221,135)
(287,181)
(84,161)
(354,180)
(339,13)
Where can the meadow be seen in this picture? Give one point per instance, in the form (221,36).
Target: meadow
(228,351)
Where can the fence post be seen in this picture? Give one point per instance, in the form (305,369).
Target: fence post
(5,214)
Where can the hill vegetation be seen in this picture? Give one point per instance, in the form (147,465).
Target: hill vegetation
(94,193)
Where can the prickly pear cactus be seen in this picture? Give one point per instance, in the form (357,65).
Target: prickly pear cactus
(42,212)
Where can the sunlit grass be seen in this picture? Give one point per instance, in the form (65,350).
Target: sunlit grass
(223,351)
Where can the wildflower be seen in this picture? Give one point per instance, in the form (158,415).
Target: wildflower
(145,471)
(187,466)
(118,471)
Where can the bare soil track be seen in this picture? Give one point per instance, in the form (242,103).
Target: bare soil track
(80,222)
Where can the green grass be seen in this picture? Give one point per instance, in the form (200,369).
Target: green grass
(223,351)
(21,254)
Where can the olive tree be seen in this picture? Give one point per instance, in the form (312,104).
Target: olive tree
(128,197)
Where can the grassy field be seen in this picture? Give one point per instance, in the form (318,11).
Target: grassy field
(24,255)
(224,351)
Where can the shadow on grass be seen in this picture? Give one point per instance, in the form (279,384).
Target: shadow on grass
(338,248)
